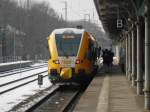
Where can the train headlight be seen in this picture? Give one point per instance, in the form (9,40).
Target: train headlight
(78,61)
(56,61)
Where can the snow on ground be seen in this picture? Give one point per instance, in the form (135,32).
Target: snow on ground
(16,84)
(21,75)
(22,69)
(14,97)
(38,64)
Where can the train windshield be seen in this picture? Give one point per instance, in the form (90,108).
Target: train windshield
(67,44)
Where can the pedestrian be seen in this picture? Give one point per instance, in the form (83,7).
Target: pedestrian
(105,57)
(111,55)
(122,60)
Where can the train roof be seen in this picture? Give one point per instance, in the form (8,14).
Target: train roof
(71,30)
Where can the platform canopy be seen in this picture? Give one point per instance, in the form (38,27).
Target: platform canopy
(115,14)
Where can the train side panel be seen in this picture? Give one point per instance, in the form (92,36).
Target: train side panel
(85,65)
(53,55)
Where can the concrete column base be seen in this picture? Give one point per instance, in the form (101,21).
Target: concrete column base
(127,73)
(133,80)
(140,88)
(129,76)
(147,100)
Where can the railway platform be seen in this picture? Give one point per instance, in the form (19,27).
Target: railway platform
(14,65)
(110,92)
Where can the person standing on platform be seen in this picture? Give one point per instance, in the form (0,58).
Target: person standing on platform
(105,60)
(110,58)
(122,60)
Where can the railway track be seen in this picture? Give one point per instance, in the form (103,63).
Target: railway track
(9,73)
(22,75)
(17,80)
(4,88)
(61,99)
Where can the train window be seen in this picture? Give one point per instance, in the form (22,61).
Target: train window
(67,45)
(88,55)
(90,50)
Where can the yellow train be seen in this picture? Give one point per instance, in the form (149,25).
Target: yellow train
(73,55)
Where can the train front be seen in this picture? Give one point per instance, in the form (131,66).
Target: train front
(63,47)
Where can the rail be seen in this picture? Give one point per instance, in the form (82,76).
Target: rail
(20,85)
(62,97)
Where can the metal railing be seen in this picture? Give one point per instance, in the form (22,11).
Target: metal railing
(10,59)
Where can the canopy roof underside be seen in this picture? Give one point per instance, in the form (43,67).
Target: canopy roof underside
(110,11)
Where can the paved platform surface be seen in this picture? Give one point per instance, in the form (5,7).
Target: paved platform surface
(110,92)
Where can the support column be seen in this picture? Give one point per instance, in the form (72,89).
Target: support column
(130,56)
(133,56)
(127,56)
(147,55)
(139,59)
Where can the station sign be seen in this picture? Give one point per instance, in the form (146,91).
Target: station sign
(119,23)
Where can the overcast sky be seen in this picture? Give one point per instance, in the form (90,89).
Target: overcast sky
(76,9)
